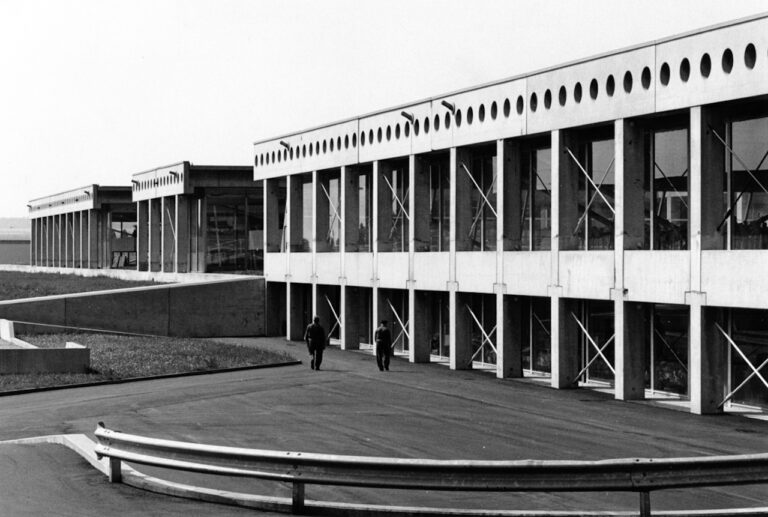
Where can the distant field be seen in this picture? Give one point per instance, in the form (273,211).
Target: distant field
(115,357)
(15,285)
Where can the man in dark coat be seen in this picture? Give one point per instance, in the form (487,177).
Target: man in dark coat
(316,339)
(383,339)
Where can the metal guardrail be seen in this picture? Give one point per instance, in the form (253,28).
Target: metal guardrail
(640,475)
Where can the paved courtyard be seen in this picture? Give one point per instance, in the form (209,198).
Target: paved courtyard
(350,407)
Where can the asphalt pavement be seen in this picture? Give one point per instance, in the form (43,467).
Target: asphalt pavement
(350,407)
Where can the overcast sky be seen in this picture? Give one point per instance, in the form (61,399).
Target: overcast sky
(94,91)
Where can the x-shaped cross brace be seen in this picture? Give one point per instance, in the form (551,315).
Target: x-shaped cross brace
(598,349)
(486,336)
(335,316)
(755,371)
(597,190)
(403,326)
(336,214)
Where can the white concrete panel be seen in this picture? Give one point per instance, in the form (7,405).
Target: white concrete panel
(735,278)
(391,132)
(328,268)
(440,136)
(64,202)
(476,271)
(431,270)
(323,148)
(275,267)
(163,181)
(586,274)
(421,136)
(393,270)
(527,272)
(489,113)
(657,276)
(603,107)
(742,81)
(358,268)
(300,267)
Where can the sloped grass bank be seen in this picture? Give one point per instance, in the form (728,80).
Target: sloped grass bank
(15,284)
(118,357)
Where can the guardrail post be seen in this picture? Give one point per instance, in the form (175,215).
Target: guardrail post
(645,504)
(298,498)
(115,472)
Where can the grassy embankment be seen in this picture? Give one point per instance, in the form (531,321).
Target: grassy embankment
(115,357)
(15,285)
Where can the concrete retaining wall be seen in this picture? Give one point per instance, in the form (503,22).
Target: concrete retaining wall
(233,307)
(44,360)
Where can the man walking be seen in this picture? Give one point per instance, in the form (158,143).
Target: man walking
(315,338)
(383,339)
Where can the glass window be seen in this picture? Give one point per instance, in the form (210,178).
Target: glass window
(666,210)
(748,200)
(749,329)
(234,237)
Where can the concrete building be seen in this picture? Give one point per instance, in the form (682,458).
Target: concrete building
(88,227)
(598,223)
(199,218)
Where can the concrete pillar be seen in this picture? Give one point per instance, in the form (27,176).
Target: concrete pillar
(155,235)
(273,232)
(419,326)
(168,231)
(708,359)
(182,234)
(565,343)
(631,326)
(93,239)
(48,241)
(106,239)
(322,211)
(463,187)
(68,241)
(297,304)
(32,242)
(142,235)
(510,181)
(460,333)
(60,234)
(77,257)
(567,176)
(418,205)
(509,336)
(276,309)
(630,322)
(296,212)
(707,202)
(352,318)
(382,204)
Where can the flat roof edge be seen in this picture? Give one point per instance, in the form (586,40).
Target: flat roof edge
(558,66)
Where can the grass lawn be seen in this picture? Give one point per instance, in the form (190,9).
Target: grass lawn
(115,357)
(15,284)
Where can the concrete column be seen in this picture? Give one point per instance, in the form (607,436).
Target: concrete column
(32,242)
(76,256)
(297,301)
(419,320)
(276,309)
(382,204)
(202,240)
(352,317)
(509,336)
(510,205)
(48,241)
(272,228)
(461,333)
(68,241)
(93,239)
(708,358)
(182,234)
(629,225)
(418,206)
(462,188)
(155,234)
(60,240)
(565,343)
(142,235)
(322,211)
(376,225)
(169,233)
(567,174)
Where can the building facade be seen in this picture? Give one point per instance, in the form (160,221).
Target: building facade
(88,227)
(199,218)
(598,223)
